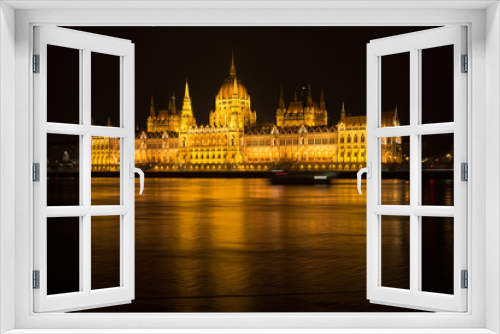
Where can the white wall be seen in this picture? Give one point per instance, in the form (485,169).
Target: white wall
(492,164)
(7,159)
(480,119)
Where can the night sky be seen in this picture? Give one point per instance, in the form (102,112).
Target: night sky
(266,57)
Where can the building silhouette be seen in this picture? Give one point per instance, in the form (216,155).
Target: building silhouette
(301,138)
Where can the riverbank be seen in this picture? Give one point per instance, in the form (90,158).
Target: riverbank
(440,174)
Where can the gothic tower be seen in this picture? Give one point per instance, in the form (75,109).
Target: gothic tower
(152,112)
(152,115)
(280,112)
(187,118)
(342,117)
(309,110)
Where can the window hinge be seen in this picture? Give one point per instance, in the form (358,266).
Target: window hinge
(465,64)
(464,171)
(36,279)
(36,172)
(36,63)
(465,279)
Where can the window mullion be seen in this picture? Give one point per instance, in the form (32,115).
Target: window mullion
(415,90)
(85,168)
(85,247)
(434,129)
(418,171)
(105,131)
(396,131)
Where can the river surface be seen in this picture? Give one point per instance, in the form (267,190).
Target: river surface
(244,245)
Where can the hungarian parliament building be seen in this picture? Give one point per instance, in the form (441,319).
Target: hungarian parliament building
(300,139)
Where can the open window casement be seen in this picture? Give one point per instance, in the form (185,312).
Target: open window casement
(80,216)
(416,212)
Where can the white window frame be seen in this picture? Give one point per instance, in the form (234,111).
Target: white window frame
(414,44)
(85,43)
(482,19)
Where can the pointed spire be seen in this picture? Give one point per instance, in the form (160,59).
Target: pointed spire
(186,105)
(235,87)
(109,121)
(295,95)
(152,112)
(187,118)
(136,126)
(342,113)
(282,99)
(309,95)
(232,71)
(171,105)
(186,91)
(322,105)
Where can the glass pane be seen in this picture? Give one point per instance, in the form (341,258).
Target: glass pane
(63,85)
(395,165)
(437,84)
(437,254)
(395,85)
(63,170)
(437,169)
(105,171)
(105,252)
(105,89)
(396,251)
(63,255)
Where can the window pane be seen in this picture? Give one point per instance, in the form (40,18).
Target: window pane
(63,170)
(395,82)
(105,252)
(63,255)
(437,84)
(437,169)
(106,158)
(395,166)
(105,89)
(63,85)
(437,254)
(396,251)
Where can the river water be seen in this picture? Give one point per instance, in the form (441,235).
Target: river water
(244,245)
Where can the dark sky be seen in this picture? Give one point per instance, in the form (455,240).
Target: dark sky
(266,57)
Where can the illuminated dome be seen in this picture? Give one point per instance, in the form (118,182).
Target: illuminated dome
(232,104)
(226,91)
(231,85)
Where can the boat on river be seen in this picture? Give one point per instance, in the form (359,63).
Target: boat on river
(302,178)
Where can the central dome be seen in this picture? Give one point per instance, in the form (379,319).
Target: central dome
(226,91)
(232,104)
(228,88)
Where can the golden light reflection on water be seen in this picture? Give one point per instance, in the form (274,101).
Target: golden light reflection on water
(395,192)
(243,245)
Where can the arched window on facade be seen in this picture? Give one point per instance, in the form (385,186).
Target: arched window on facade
(349,139)
(362,137)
